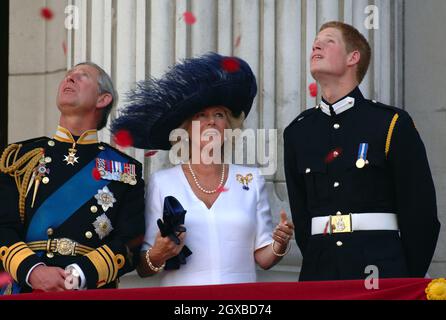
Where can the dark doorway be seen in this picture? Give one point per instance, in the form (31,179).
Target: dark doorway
(4,72)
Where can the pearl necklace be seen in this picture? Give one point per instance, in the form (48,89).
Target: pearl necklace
(198,184)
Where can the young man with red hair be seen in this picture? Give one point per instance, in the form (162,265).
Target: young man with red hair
(359,184)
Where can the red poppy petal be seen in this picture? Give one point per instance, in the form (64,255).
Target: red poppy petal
(222,189)
(5,279)
(333,154)
(95,173)
(150,153)
(123,138)
(237,41)
(189,17)
(64,47)
(313,89)
(46,13)
(99,283)
(230,64)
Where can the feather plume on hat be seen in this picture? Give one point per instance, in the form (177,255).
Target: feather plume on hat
(158,106)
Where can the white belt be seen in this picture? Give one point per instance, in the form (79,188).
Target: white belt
(354,222)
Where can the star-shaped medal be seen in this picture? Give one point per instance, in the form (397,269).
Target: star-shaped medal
(71,158)
(102,226)
(105,198)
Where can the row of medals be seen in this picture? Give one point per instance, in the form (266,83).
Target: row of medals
(118,176)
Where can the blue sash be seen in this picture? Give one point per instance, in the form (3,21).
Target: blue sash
(66,200)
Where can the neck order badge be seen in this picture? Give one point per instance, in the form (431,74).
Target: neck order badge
(63,135)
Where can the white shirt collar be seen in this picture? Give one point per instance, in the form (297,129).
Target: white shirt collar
(339,106)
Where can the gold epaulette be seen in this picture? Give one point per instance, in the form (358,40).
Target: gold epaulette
(21,169)
(390,133)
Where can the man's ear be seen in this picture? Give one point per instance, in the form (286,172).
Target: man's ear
(104,100)
(353,58)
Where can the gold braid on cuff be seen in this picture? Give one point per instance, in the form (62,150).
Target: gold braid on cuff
(151,266)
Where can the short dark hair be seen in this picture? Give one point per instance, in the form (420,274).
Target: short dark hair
(354,40)
(105,86)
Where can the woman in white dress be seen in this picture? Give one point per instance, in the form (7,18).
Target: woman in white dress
(228,221)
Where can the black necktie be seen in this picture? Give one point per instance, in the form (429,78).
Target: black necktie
(332,112)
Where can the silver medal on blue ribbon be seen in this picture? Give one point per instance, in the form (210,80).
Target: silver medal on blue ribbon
(362,155)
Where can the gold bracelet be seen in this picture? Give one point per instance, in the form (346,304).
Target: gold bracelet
(280,254)
(151,266)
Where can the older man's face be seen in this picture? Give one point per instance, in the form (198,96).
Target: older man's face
(79,90)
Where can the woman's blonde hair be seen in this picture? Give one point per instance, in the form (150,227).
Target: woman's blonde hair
(232,121)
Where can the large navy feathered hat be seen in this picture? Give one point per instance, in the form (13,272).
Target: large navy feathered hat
(158,106)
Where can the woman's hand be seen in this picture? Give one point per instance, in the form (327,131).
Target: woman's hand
(283,233)
(269,255)
(163,249)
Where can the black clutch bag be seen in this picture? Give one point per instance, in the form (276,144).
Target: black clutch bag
(173,219)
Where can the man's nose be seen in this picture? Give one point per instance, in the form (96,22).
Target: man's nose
(317,45)
(69,78)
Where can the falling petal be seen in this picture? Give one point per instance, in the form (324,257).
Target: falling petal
(100,283)
(95,173)
(313,89)
(5,279)
(46,13)
(332,155)
(222,189)
(64,47)
(123,138)
(189,17)
(150,153)
(237,41)
(230,64)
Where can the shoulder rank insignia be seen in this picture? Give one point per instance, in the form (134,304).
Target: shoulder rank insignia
(105,198)
(116,171)
(102,226)
(244,180)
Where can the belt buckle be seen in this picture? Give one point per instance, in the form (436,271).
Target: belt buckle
(341,223)
(65,247)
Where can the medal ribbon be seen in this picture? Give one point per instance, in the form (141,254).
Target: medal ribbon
(362,152)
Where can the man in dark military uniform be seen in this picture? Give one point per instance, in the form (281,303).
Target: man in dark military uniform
(359,184)
(72,208)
